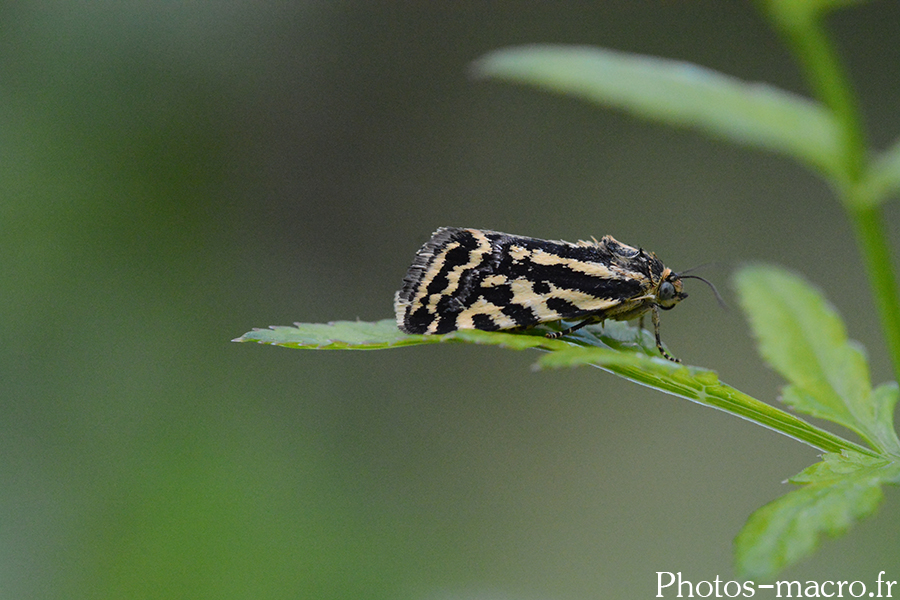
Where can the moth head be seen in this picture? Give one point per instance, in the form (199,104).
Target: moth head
(670,291)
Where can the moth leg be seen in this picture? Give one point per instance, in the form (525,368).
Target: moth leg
(655,315)
(640,332)
(558,334)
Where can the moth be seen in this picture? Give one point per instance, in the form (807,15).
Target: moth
(481,279)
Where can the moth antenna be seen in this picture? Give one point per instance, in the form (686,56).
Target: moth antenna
(698,267)
(711,286)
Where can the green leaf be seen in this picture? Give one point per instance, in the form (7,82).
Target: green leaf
(884,399)
(804,339)
(882,179)
(360,335)
(695,384)
(835,467)
(678,93)
(616,347)
(839,490)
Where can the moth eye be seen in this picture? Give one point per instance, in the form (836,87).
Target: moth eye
(666,291)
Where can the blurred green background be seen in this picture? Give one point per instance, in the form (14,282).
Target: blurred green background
(174,174)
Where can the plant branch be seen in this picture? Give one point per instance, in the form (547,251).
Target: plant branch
(876,255)
(735,402)
(826,76)
(694,384)
(831,86)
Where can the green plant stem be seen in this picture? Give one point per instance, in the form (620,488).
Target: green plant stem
(876,254)
(730,400)
(826,76)
(830,84)
(703,387)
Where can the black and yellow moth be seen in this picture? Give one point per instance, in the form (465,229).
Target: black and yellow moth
(480,279)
